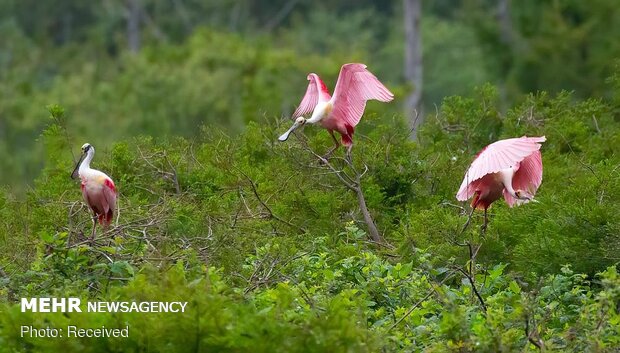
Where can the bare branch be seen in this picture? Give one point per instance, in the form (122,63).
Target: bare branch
(473,286)
(270,212)
(419,302)
(533,335)
(353,184)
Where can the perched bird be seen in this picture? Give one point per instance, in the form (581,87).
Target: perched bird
(342,111)
(98,189)
(512,168)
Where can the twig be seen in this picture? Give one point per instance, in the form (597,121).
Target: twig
(271,214)
(344,177)
(102,253)
(446,203)
(165,174)
(530,334)
(353,184)
(473,286)
(420,301)
(596,124)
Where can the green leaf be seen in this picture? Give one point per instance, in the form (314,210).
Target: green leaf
(514,287)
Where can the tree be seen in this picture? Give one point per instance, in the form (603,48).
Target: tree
(133,25)
(413,61)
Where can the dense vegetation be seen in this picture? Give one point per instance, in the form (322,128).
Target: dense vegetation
(226,63)
(267,243)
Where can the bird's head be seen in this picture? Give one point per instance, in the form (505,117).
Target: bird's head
(300,121)
(524,196)
(87,149)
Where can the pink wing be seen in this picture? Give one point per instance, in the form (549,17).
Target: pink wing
(528,177)
(495,157)
(97,200)
(109,192)
(311,98)
(87,197)
(355,86)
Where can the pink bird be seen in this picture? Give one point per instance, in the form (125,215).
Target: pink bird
(342,111)
(512,168)
(98,189)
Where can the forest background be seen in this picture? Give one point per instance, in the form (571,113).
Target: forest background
(184,100)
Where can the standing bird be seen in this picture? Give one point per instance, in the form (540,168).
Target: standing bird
(342,111)
(98,189)
(512,168)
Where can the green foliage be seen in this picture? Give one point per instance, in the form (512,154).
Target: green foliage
(263,241)
(330,301)
(547,45)
(164,90)
(575,221)
(225,63)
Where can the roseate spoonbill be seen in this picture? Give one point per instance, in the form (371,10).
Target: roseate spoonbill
(98,189)
(512,168)
(342,111)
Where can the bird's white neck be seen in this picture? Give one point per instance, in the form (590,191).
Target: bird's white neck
(85,165)
(506,176)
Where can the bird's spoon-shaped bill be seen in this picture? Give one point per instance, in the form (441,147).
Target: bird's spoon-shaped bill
(285,135)
(75,172)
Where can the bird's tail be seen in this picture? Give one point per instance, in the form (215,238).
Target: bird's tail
(106,218)
(347,139)
(477,203)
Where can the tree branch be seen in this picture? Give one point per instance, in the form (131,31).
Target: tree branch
(419,302)
(269,211)
(473,286)
(353,184)
(531,334)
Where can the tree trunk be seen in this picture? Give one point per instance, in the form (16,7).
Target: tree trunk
(506,39)
(134,15)
(370,223)
(413,62)
(505,23)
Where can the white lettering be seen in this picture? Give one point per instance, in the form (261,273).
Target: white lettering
(113,306)
(29,304)
(74,305)
(30,331)
(73,331)
(58,305)
(139,307)
(25,329)
(44,305)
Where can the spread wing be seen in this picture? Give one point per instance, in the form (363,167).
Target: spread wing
(495,157)
(310,99)
(355,86)
(528,177)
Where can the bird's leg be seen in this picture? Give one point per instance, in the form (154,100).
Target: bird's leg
(473,208)
(337,144)
(92,236)
(483,228)
(349,147)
